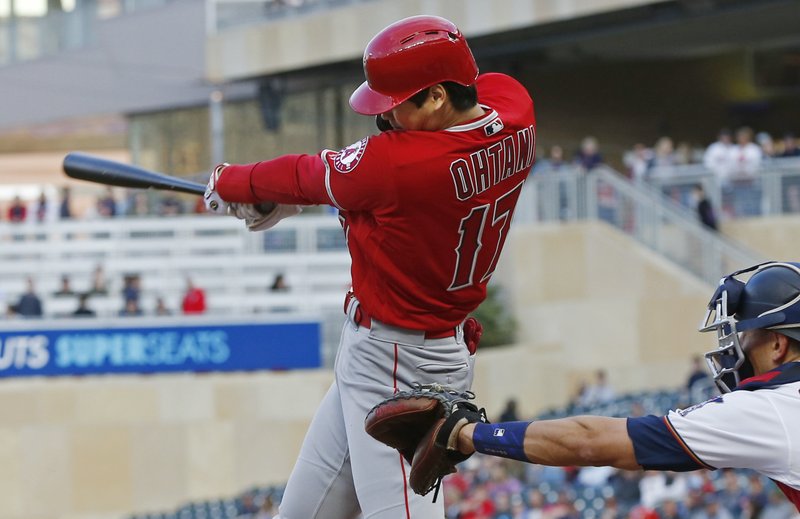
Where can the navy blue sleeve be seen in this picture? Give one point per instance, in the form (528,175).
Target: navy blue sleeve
(658,447)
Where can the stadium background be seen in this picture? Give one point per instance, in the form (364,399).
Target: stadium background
(601,272)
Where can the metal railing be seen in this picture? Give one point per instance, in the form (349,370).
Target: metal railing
(773,189)
(639,211)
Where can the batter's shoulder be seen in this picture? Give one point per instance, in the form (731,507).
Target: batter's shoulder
(508,97)
(493,83)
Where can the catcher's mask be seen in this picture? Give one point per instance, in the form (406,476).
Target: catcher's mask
(409,56)
(769,300)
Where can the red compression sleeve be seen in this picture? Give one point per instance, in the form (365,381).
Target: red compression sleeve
(289,179)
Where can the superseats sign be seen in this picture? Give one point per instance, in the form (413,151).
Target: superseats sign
(156,349)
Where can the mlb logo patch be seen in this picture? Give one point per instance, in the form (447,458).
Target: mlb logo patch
(499,432)
(493,127)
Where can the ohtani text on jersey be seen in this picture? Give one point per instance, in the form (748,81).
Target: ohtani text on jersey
(493,164)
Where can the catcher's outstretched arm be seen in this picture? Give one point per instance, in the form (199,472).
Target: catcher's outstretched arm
(578,441)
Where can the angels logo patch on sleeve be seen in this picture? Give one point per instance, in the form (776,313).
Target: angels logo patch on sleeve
(346,160)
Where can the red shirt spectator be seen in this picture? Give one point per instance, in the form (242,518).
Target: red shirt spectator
(194,300)
(17,212)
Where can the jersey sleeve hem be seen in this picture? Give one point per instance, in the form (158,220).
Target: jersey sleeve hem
(324,156)
(658,446)
(685,446)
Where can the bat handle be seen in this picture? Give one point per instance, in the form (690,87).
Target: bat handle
(266,207)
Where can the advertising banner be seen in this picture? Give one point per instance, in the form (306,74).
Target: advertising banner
(158,349)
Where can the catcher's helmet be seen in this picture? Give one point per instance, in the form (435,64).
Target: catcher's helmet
(769,300)
(409,56)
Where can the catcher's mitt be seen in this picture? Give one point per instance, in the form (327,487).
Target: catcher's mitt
(423,425)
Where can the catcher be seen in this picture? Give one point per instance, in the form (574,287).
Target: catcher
(751,425)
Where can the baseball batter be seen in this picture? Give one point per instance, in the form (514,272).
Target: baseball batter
(426,207)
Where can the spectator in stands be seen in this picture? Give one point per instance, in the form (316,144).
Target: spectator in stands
(684,154)
(699,373)
(626,488)
(502,506)
(746,162)
(509,414)
(161,307)
(200,206)
(588,156)
(637,162)
(478,505)
(600,392)
(41,207)
(778,507)
(757,494)
(247,507)
(29,304)
(131,288)
(66,287)
(99,285)
(767,145)
(279,284)
(790,147)
(140,204)
(107,204)
(65,206)
(705,212)
(731,495)
(268,508)
(83,309)
(131,308)
(17,212)
(663,160)
(553,162)
(713,509)
(170,205)
(194,299)
(655,487)
(718,157)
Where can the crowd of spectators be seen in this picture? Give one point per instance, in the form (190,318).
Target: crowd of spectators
(192,301)
(30,303)
(113,202)
(735,160)
(493,488)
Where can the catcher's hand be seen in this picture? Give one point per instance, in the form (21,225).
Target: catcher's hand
(423,425)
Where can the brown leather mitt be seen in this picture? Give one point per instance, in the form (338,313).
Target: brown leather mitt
(421,424)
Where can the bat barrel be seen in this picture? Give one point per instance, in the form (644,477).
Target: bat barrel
(83,166)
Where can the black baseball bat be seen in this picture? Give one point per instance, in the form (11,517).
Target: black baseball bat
(104,171)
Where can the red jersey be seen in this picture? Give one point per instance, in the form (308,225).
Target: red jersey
(425,213)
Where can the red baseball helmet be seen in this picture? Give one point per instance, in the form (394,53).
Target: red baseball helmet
(409,56)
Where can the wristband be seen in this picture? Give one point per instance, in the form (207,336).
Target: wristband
(505,439)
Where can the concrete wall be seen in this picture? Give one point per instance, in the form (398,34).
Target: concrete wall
(341,34)
(586,297)
(774,237)
(106,446)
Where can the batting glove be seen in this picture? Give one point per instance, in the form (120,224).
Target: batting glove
(214,203)
(264,215)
